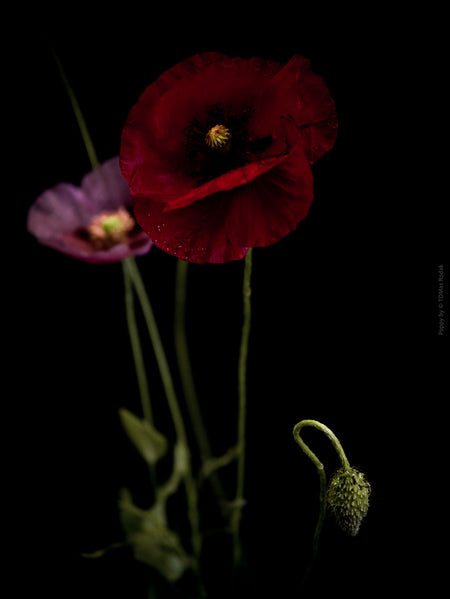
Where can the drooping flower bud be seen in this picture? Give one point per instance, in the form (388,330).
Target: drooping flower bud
(348,498)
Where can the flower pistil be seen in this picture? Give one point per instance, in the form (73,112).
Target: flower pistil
(218,138)
(221,142)
(110,228)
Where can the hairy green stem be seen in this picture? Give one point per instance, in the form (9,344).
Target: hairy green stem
(329,433)
(242,408)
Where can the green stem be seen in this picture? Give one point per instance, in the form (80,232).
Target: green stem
(191,490)
(158,349)
(187,379)
(321,472)
(129,304)
(329,433)
(242,409)
(78,115)
(136,345)
(182,351)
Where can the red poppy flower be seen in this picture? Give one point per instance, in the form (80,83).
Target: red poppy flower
(217,153)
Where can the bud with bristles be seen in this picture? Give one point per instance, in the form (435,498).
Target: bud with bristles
(348,498)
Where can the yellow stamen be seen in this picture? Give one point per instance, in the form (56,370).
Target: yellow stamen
(218,137)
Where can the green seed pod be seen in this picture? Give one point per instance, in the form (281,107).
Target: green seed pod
(348,498)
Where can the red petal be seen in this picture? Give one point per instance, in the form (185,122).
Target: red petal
(295,91)
(221,227)
(227,181)
(284,138)
(196,233)
(270,207)
(318,118)
(152,156)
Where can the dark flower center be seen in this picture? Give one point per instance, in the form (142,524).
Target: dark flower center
(221,142)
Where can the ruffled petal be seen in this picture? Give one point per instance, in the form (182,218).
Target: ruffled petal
(222,227)
(106,188)
(296,92)
(229,180)
(196,233)
(318,117)
(267,209)
(284,139)
(82,250)
(153,154)
(58,210)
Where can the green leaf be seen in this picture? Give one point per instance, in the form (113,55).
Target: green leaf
(152,541)
(131,516)
(161,549)
(149,442)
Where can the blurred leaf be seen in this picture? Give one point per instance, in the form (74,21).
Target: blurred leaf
(150,443)
(131,516)
(161,549)
(152,542)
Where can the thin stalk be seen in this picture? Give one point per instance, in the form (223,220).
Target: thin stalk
(184,363)
(136,346)
(158,349)
(331,436)
(129,304)
(191,490)
(242,409)
(78,115)
(187,379)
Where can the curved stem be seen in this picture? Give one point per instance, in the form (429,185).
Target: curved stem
(136,345)
(187,379)
(191,490)
(329,433)
(321,472)
(242,375)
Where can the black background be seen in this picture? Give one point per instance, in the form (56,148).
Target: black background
(344,322)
